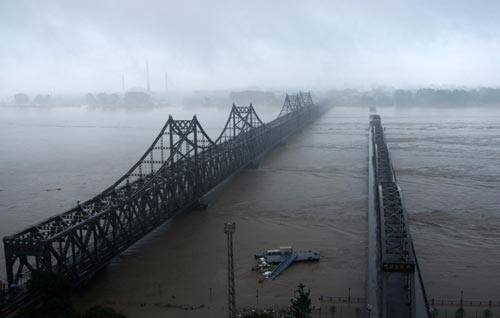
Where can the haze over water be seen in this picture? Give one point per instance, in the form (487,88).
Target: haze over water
(311,194)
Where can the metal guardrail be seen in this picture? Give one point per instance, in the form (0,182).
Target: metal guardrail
(464,303)
(334,299)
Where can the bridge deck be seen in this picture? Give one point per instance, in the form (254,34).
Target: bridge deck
(395,284)
(181,165)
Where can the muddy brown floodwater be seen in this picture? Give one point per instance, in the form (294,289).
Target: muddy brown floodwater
(310,194)
(447,164)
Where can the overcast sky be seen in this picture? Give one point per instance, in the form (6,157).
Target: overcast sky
(79,46)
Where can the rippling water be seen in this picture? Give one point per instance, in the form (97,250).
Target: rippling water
(310,194)
(447,164)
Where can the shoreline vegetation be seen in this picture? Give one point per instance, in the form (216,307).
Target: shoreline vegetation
(422,97)
(50,297)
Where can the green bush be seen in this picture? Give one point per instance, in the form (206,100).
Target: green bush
(301,304)
(460,313)
(487,313)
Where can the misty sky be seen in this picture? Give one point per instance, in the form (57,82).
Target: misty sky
(79,46)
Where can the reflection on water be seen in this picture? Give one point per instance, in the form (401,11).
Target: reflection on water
(310,194)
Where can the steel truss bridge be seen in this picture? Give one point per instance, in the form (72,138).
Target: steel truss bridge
(395,287)
(182,164)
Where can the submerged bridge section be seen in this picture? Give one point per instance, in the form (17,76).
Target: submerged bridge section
(182,164)
(395,288)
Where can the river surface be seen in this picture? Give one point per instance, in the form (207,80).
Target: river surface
(310,194)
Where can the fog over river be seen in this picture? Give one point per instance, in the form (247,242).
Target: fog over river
(310,194)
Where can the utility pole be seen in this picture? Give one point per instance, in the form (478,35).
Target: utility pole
(229,229)
(166,82)
(147,77)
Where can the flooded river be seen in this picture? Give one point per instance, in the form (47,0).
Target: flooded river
(310,194)
(447,164)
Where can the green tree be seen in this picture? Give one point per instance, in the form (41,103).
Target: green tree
(487,313)
(460,313)
(433,313)
(300,304)
(358,312)
(333,310)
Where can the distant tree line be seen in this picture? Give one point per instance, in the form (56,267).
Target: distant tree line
(255,97)
(39,100)
(419,97)
(215,99)
(129,99)
(447,97)
(353,97)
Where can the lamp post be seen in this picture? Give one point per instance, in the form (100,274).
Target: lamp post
(229,229)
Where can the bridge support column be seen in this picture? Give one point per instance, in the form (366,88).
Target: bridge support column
(229,229)
(10,265)
(413,295)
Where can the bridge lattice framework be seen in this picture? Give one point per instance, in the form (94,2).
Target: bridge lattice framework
(182,164)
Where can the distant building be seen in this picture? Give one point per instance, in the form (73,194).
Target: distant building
(21,99)
(42,99)
(135,99)
(90,99)
(103,99)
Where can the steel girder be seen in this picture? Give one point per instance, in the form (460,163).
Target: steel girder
(182,164)
(395,237)
(398,263)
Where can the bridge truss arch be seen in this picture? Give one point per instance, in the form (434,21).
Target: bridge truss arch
(182,164)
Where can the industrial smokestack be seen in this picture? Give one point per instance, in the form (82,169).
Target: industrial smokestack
(147,77)
(166,82)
